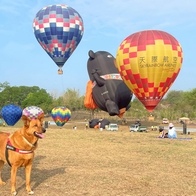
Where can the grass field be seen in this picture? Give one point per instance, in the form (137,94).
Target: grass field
(102,163)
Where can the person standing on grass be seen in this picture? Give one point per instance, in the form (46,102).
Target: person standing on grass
(172,131)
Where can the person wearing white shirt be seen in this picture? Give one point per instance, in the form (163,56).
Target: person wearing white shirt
(172,131)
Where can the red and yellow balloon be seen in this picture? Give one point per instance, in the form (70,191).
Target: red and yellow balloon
(149,62)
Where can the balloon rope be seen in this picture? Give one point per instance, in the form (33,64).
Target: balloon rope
(62,82)
(63,88)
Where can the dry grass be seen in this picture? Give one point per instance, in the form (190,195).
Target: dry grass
(102,163)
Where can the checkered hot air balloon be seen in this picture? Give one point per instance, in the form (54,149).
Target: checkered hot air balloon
(59,29)
(11,114)
(32,112)
(149,62)
(60,115)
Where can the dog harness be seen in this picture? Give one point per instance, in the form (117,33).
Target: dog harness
(10,147)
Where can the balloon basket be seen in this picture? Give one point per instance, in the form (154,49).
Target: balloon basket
(60,71)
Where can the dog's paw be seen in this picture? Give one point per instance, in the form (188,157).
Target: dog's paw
(31,193)
(14,193)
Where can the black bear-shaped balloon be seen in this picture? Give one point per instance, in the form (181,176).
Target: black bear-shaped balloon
(109,91)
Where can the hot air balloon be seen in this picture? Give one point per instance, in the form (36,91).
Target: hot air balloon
(60,115)
(59,30)
(32,112)
(107,88)
(11,114)
(149,62)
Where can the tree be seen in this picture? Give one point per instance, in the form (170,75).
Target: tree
(40,98)
(137,110)
(71,99)
(190,97)
(166,108)
(15,95)
(4,85)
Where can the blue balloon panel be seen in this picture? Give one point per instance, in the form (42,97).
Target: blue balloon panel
(11,114)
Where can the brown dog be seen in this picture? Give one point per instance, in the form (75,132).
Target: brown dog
(18,150)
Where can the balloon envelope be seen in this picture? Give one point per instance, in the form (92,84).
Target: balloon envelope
(32,112)
(107,88)
(58,29)
(60,115)
(11,114)
(149,62)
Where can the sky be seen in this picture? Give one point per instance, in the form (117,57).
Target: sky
(107,23)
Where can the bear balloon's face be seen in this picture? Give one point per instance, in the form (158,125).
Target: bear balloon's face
(102,62)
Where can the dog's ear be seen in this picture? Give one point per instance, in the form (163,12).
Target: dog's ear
(25,120)
(41,117)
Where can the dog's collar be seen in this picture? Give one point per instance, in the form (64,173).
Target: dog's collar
(32,145)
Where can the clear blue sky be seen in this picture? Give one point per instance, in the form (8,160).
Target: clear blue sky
(106,24)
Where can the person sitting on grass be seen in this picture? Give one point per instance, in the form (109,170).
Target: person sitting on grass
(161,132)
(172,131)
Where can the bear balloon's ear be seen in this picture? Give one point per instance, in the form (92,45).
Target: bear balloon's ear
(91,54)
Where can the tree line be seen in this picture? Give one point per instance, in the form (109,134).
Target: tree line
(24,96)
(174,105)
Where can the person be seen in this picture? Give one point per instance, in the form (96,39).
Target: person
(86,126)
(45,124)
(161,132)
(172,131)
